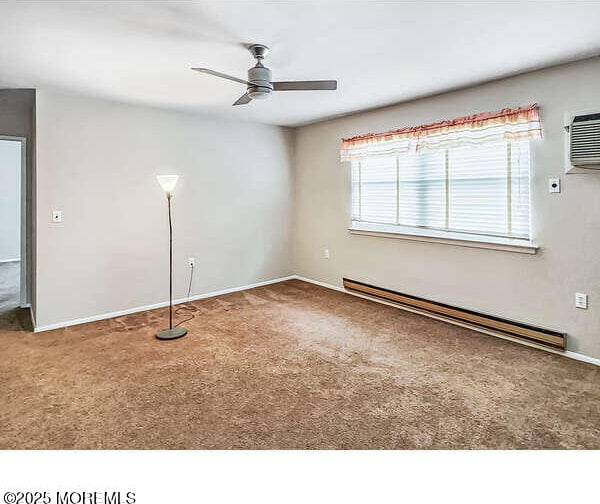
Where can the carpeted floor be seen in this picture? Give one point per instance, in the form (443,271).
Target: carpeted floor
(290,365)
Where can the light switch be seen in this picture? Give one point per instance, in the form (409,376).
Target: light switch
(581,300)
(56,216)
(554,185)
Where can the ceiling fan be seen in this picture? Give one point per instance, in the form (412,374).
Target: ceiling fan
(259,84)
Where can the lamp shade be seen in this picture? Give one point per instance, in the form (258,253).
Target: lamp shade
(167,182)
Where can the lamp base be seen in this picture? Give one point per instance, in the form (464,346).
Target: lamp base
(168,334)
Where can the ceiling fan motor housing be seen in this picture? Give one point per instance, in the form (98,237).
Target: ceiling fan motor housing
(260,79)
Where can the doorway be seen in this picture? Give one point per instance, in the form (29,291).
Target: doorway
(13,230)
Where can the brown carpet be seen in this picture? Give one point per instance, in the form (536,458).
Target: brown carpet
(290,365)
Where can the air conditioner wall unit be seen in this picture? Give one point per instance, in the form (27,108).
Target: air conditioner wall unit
(582,142)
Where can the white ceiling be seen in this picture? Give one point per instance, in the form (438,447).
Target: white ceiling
(381,52)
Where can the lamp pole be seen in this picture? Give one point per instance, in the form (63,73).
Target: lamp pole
(169,196)
(168,183)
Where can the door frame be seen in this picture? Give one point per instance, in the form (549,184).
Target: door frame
(24,302)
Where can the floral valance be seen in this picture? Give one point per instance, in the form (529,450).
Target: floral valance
(506,124)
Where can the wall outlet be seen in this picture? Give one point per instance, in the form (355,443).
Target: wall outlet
(56,216)
(581,300)
(191,262)
(554,185)
(326,253)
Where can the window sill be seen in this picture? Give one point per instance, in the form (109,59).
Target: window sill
(445,237)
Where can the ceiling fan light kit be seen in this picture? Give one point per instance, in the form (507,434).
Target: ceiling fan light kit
(259,83)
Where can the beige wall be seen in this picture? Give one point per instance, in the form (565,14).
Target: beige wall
(539,289)
(97,161)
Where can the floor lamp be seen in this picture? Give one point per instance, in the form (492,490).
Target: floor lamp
(168,182)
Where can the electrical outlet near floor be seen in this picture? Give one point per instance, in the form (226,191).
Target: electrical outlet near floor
(326,253)
(581,300)
(191,262)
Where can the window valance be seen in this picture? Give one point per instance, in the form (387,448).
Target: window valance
(506,124)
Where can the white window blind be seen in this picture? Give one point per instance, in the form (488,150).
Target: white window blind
(480,189)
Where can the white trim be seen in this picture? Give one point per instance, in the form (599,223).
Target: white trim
(137,309)
(17,259)
(581,357)
(24,235)
(322,284)
(445,237)
(567,353)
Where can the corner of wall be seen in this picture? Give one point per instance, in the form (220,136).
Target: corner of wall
(294,199)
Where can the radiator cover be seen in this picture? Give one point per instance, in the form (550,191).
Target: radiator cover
(519,330)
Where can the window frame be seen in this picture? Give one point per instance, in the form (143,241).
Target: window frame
(444,236)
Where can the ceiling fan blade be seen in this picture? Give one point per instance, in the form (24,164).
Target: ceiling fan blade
(242,100)
(316,85)
(219,74)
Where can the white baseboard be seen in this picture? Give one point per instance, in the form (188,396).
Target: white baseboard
(322,284)
(103,316)
(567,353)
(580,357)
(17,259)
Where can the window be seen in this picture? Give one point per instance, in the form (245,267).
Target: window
(481,190)
(475,183)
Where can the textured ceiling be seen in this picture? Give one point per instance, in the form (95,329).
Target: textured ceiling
(381,52)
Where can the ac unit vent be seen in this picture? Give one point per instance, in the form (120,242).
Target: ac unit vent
(584,151)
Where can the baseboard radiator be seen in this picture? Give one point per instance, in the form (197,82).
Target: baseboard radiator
(518,330)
